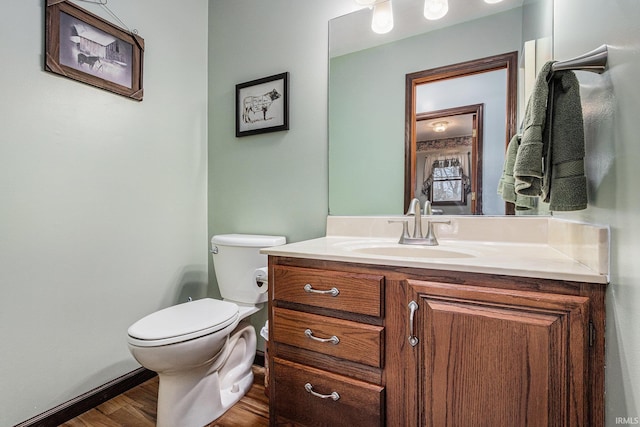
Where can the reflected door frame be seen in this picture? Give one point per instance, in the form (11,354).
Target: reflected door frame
(508,61)
(476,148)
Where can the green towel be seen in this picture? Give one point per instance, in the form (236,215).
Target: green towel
(564,187)
(527,169)
(506,185)
(550,159)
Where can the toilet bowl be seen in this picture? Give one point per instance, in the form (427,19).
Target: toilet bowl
(203,350)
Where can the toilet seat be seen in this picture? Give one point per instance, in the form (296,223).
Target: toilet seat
(183,322)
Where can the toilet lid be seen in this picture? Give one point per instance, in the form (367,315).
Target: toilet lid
(185,321)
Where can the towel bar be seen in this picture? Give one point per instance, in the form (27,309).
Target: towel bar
(594,61)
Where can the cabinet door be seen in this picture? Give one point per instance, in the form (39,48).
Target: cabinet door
(497,357)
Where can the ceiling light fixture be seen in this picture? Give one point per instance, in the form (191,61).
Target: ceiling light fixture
(440,126)
(435,9)
(382,21)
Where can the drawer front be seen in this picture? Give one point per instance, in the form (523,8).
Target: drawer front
(345,339)
(356,403)
(350,292)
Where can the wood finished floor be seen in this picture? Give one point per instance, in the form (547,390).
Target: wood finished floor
(137,408)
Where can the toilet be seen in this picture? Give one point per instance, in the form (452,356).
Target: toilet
(203,350)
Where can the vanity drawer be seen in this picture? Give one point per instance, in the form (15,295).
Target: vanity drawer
(357,403)
(338,290)
(357,342)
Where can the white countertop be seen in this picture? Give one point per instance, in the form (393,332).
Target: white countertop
(574,252)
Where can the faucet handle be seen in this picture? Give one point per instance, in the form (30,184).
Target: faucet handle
(405,228)
(431,236)
(439,221)
(393,221)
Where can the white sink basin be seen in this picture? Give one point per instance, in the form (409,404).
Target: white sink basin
(413,252)
(396,250)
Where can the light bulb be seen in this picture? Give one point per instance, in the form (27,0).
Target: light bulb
(440,126)
(492,1)
(382,21)
(435,9)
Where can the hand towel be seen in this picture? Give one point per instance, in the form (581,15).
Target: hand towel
(527,170)
(565,184)
(506,185)
(550,160)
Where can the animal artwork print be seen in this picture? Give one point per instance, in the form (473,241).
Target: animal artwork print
(255,107)
(91,61)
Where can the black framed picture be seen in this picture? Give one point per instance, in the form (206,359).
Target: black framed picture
(262,105)
(84,47)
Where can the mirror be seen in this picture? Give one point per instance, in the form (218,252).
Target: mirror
(367,77)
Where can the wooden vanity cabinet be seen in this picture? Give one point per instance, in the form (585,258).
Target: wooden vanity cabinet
(326,347)
(488,350)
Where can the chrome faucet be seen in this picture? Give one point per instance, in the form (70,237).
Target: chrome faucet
(431,236)
(417,238)
(414,209)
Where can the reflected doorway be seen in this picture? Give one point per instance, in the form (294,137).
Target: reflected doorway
(491,81)
(449,159)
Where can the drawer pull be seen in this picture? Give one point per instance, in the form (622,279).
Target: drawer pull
(333,340)
(309,289)
(334,395)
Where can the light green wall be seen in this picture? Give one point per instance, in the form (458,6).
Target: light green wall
(611,108)
(274,183)
(103,202)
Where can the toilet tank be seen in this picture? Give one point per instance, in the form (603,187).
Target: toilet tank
(236,260)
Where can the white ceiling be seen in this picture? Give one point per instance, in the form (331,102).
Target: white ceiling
(460,125)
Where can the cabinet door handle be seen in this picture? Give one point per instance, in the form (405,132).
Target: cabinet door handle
(309,289)
(333,340)
(413,339)
(334,395)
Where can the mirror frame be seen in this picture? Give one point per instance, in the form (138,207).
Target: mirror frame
(508,61)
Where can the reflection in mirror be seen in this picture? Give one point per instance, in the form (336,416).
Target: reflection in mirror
(367,90)
(489,82)
(447,170)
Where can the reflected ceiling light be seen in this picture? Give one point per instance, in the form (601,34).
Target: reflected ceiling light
(435,9)
(440,126)
(382,21)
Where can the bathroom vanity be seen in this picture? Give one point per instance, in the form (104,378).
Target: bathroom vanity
(508,331)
